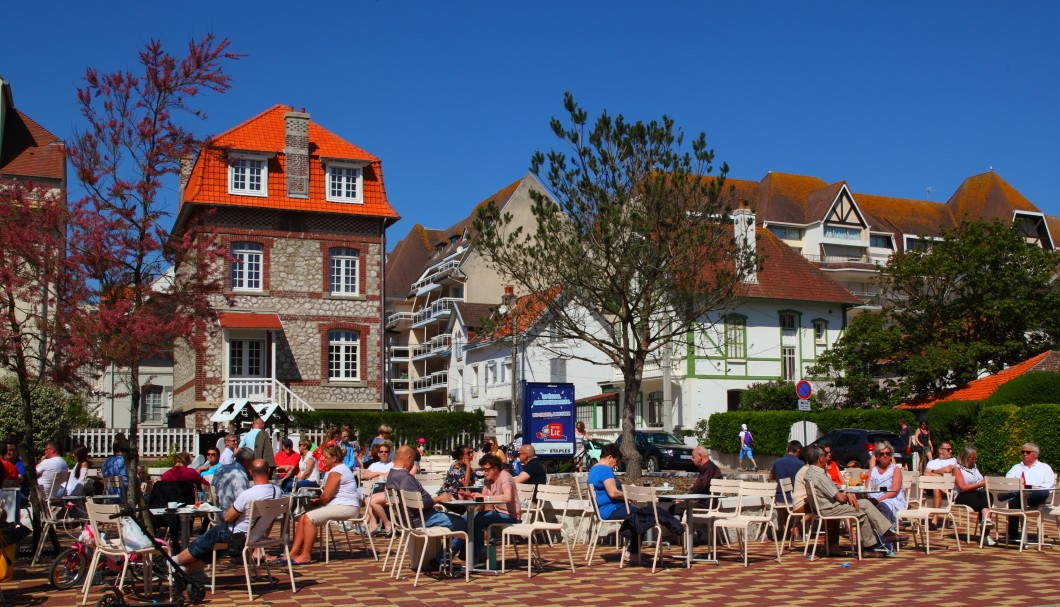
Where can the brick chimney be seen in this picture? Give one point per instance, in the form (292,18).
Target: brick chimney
(743,220)
(187,162)
(296,151)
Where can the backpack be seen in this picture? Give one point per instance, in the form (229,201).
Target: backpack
(747,440)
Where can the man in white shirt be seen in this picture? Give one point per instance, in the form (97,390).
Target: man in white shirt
(1035,475)
(49,466)
(199,553)
(941,465)
(228,455)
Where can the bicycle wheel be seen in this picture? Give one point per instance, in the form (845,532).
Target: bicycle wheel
(112,597)
(68,569)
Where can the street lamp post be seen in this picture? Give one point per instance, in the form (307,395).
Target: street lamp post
(509,300)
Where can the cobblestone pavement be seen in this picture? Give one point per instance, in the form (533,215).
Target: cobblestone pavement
(991,576)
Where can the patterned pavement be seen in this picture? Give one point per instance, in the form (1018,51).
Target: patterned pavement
(971,578)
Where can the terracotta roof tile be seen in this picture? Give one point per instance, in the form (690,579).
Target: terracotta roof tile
(30,150)
(905,216)
(405,262)
(597,398)
(983,388)
(987,196)
(1054,229)
(783,197)
(820,202)
(208,183)
(473,314)
(786,274)
(528,309)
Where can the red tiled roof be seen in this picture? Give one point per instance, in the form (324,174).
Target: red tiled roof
(983,388)
(987,196)
(597,398)
(786,274)
(1054,229)
(820,202)
(247,320)
(528,309)
(904,215)
(783,198)
(208,183)
(30,150)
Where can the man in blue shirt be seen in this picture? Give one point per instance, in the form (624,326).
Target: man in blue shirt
(351,450)
(786,467)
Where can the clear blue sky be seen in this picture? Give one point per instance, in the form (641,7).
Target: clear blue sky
(455,97)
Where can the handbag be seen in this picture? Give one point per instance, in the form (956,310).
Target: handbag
(133,535)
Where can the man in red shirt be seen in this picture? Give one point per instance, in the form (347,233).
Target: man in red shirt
(287,463)
(10,471)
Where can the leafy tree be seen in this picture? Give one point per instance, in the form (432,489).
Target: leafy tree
(978,299)
(776,396)
(854,365)
(55,412)
(41,292)
(635,234)
(150,289)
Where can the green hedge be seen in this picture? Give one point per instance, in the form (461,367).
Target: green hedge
(999,433)
(1043,421)
(436,427)
(954,421)
(772,428)
(1035,388)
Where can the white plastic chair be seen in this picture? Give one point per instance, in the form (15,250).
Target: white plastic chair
(599,525)
(413,510)
(752,495)
(850,518)
(922,515)
(998,486)
(103,526)
(553,498)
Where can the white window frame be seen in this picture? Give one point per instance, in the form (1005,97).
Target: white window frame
(789,316)
(242,163)
(247,258)
(246,358)
(153,404)
(344,348)
(787,363)
(344,267)
(736,337)
(820,331)
(343,173)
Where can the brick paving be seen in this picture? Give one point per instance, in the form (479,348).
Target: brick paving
(946,578)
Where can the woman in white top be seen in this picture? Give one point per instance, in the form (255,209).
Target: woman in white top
(971,487)
(310,473)
(75,485)
(377,471)
(887,476)
(339,500)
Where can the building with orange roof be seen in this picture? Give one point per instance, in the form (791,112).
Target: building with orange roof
(431,275)
(303,214)
(984,387)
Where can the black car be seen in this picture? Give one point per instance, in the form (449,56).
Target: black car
(661,451)
(852,448)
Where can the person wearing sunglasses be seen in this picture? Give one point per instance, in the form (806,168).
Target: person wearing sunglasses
(378,471)
(890,497)
(1036,475)
(499,485)
(944,464)
(213,462)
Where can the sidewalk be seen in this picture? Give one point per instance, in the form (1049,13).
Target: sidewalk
(971,578)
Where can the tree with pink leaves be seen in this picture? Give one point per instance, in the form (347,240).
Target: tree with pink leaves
(148,289)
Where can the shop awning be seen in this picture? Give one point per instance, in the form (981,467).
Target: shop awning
(228,410)
(249,320)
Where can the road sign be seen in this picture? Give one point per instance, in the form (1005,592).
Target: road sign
(804,404)
(803,389)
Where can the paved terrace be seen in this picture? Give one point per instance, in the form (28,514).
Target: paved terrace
(988,577)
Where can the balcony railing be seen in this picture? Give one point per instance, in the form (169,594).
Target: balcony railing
(839,258)
(266,389)
(434,381)
(436,346)
(399,353)
(438,310)
(397,317)
(434,272)
(400,386)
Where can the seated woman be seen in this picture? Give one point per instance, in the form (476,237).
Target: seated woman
(605,485)
(309,476)
(971,487)
(339,501)
(498,485)
(182,471)
(75,485)
(377,470)
(459,475)
(887,477)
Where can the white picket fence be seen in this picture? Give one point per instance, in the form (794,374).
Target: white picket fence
(151,442)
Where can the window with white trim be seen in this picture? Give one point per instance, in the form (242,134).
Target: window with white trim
(152,404)
(344,355)
(246,357)
(246,266)
(345,183)
(248,176)
(842,233)
(736,336)
(344,271)
(788,320)
(787,364)
(820,331)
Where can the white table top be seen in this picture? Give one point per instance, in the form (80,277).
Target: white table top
(473,502)
(187,510)
(690,496)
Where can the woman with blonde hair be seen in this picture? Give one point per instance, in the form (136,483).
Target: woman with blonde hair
(889,496)
(971,487)
(339,500)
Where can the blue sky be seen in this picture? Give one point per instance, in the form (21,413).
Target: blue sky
(455,97)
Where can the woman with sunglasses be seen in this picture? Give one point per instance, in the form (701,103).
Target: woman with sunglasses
(378,471)
(498,485)
(887,478)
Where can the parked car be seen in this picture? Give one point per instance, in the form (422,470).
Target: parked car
(592,450)
(661,451)
(852,448)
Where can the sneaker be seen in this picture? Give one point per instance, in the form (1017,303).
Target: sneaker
(989,541)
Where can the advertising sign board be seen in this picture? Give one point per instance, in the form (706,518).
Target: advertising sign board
(548,418)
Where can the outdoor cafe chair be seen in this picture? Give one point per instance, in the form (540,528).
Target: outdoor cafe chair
(722,507)
(752,496)
(110,542)
(553,498)
(999,490)
(600,525)
(399,531)
(851,519)
(412,503)
(581,507)
(261,518)
(57,514)
(644,497)
(792,518)
(921,515)
(358,525)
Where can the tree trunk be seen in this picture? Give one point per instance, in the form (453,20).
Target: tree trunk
(28,454)
(133,496)
(632,372)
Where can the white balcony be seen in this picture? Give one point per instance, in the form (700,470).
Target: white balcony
(435,381)
(435,347)
(265,389)
(400,386)
(398,317)
(435,272)
(399,354)
(437,311)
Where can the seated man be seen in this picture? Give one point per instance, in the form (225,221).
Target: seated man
(400,479)
(941,465)
(1036,475)
(532,470)
(230,480)
(199,553)
(786,467)
(871,524)
(287,464)
(51,463)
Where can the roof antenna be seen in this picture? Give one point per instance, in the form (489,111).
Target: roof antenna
(930,191)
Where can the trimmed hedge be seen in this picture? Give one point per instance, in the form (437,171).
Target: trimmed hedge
(999,434)
(1035,388)
(772,428)
(435,426)
(954,421)
(1044,424)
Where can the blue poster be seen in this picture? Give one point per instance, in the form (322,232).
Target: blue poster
(548,418)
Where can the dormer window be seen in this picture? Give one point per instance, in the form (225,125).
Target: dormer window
(248,176)
(345,182)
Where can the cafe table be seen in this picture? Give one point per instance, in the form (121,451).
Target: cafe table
(472,507)
(187,514)
(691,497)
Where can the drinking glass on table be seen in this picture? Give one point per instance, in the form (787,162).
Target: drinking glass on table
(864,477)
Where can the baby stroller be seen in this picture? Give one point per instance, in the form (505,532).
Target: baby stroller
(181,585)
